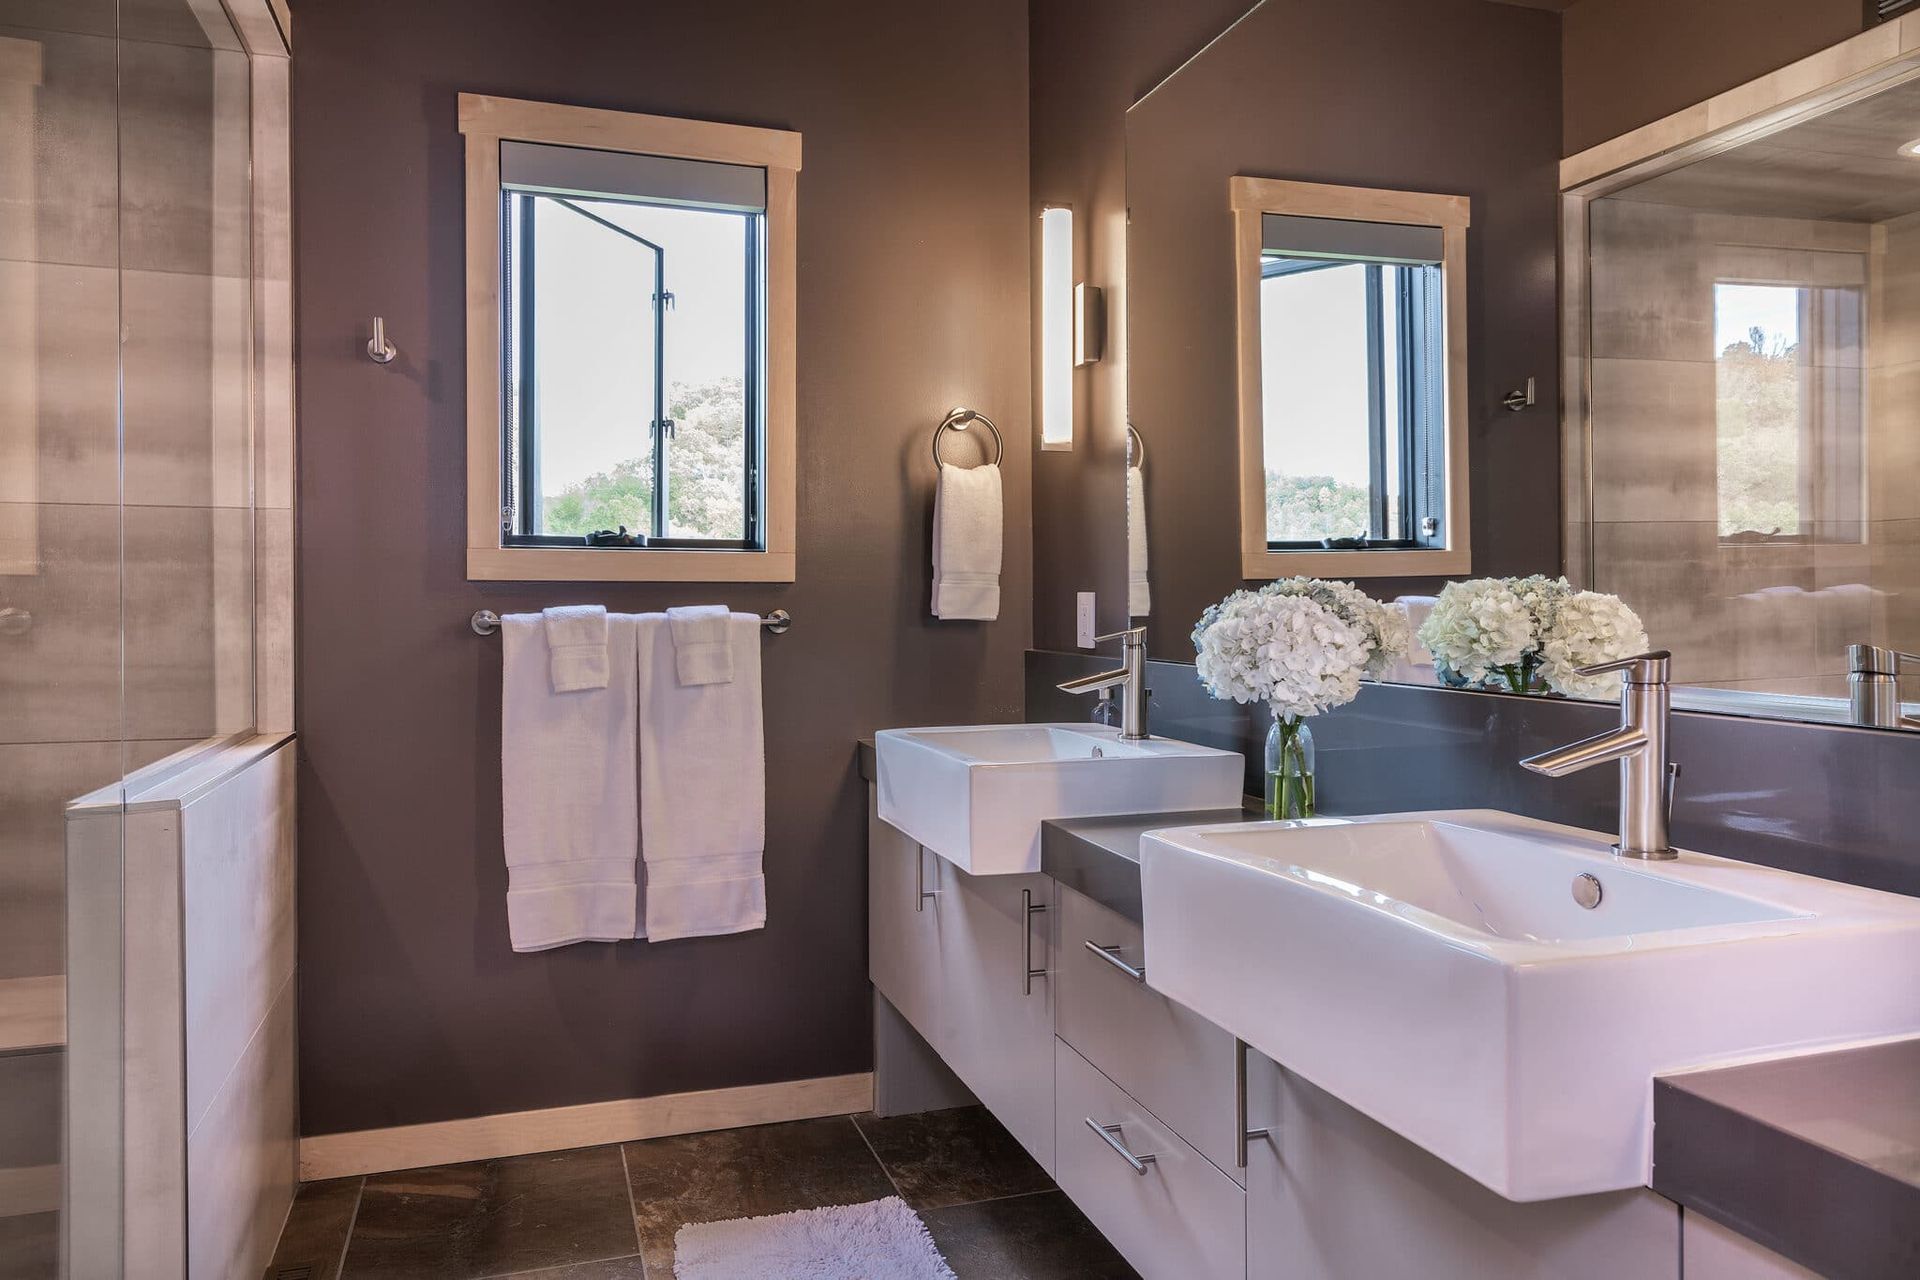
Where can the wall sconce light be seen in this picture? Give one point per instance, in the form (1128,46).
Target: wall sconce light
(1057,355)
(1089,324)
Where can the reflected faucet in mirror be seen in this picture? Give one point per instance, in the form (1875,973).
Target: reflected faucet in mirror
(1873,686)
(1640,745)
(1128,681)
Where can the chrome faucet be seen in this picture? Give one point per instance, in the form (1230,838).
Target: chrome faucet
(1873,686)
(1129,680)
(1640,745)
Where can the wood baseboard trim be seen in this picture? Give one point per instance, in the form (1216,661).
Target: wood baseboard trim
(519,1133)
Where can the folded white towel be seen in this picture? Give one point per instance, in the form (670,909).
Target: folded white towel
(966,543)
(568,792)
(701,653)
(1139,595)
(577,646)
(703,788)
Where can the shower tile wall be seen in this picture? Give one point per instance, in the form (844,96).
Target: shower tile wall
(1774,616)
(128,404)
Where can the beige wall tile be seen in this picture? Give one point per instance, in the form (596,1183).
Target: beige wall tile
(60,679)
(1893,443)
(36,781)
(170,653)
(61,205)
(184,139)
(68,367)
(273,621)
(1654,441)
(185,389)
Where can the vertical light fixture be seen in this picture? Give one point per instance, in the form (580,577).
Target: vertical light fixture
(1056,328)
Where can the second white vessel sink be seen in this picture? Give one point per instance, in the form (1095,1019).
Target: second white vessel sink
(1442,973)
(977,794)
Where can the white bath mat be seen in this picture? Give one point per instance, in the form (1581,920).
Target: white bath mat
(880,1240)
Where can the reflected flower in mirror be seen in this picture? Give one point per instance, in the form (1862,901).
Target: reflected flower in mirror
(1529,635)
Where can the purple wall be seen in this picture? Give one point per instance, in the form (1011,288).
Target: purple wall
(913,284)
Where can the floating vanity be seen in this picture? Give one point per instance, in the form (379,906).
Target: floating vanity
(1461,1085)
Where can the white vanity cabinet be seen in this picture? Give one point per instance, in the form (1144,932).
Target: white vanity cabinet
(1333,1195)
(965,959)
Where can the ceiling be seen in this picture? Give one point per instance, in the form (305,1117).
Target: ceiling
(1844,166)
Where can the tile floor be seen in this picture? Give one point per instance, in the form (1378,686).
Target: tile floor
(610,1213)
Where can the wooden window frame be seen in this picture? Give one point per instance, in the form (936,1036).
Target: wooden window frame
(487,121)
(1250,198)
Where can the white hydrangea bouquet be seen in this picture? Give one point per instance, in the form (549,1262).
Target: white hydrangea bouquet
(1300,645)
(1529,635)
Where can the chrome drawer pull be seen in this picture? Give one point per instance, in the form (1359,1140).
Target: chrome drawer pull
(1110,1134)
(1026,928)
(1242,1136)
(1112,956)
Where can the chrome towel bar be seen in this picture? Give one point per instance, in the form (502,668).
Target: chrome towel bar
(485,622)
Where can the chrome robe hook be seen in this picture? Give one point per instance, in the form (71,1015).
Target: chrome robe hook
(379,350)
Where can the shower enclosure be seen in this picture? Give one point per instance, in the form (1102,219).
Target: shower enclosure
(145,533)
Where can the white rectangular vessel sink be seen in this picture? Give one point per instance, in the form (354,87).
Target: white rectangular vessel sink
(977,794)
(1439,972)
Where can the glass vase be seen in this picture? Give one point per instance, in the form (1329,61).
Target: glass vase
(1289,768)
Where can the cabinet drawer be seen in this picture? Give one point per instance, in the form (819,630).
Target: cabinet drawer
(1176,1063)
(1174,1215)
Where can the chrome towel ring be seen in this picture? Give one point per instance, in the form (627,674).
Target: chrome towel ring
(959,419)
(1139,458)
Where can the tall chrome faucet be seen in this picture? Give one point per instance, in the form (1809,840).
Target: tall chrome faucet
(1129,679)
(1640,745)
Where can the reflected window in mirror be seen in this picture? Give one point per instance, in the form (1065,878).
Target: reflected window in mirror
(1352,370)
(1352,398)
(1788,412)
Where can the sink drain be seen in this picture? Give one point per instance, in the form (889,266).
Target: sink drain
(1586,890)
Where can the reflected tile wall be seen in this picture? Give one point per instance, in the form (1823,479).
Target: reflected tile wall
(1770,616)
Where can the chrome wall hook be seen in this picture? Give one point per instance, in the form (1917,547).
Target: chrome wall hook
(1520,398)
(379,350)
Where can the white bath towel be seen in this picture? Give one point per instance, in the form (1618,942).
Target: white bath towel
(1139,595)
(568,791)
(966,543)
(701,652)
(577,646)
(703,788)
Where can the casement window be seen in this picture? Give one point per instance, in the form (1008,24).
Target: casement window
(630,345)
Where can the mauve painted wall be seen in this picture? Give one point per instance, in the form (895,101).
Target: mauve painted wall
(913,283)
(1455,96)
(1629,62)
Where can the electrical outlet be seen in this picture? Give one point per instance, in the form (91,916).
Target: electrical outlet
(1083,619)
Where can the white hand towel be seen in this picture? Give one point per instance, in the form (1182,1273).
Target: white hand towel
(1139,596)
(703,788)
(701,653)
(577,646)
(966,543)
(568,792)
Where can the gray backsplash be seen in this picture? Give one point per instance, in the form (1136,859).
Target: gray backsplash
(1830,801)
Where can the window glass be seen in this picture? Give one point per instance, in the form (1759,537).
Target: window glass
(1351,401)
(632,339)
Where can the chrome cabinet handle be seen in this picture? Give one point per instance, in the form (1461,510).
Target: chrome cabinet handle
(1241,1134)
(1112,956)
(920,879)
(1110,1134)
(1026,940)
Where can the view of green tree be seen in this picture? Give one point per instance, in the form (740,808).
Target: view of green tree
(1758,424)
(705,497)
(1308,508)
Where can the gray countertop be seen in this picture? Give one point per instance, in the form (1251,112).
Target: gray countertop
(1817,1157)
